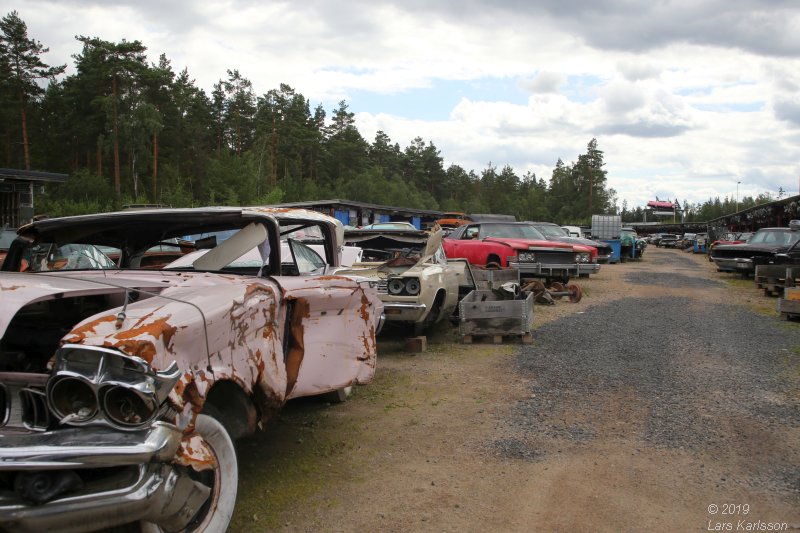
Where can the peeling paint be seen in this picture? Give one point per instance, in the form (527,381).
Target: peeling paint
(195,453)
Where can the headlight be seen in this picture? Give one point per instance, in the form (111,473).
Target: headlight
(583,257)
(124,406)
(404,286)
(72,399)
(412,286)
(396,286)
(101,385)
(526,257)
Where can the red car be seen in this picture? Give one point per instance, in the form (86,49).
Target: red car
(519,245)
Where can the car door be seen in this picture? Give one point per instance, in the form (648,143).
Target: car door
(330,323)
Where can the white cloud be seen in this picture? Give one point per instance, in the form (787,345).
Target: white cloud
(684,97)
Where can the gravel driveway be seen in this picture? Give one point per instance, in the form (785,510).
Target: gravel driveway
(699,375)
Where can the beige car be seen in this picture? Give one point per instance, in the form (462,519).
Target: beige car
(416,283)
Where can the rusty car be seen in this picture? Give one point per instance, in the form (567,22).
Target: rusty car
(417,284)
(122,388)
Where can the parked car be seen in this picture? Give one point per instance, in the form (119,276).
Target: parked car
(453,219)
(764,244)
(667,240)
(554,232)
(519,245)
(122,389)
(573,231)
(631,246)
(415,282)
(391,225)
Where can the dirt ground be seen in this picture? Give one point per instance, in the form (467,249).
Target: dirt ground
(412,451)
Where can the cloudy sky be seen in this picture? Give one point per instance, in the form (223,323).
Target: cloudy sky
(685,97)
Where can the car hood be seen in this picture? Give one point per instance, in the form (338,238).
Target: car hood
(525,244)
(397,265)
(20,289)
(746,248)
(148,328)
(583,242)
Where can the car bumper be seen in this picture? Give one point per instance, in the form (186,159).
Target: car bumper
(404,312)
(734,264)
(555,270)
(137,482)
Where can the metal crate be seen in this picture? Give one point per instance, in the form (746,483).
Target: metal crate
(487,313)
(491,279)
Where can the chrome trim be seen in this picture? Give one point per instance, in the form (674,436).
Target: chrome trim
(404,306)
(159,494)
(104,369)
(91,447)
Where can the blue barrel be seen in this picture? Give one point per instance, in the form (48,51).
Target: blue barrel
(616,249)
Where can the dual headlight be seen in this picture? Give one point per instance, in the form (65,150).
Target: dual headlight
(100,385)
(526,257)
(583,257)
(403,286)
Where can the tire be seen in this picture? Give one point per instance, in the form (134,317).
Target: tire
(420,328)
(215,515)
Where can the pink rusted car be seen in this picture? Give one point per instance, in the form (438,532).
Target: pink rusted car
(124,380)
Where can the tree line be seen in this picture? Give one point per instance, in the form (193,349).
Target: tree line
(132,132)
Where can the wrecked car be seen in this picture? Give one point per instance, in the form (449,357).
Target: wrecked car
(417,284)
(122,388)
(519,245)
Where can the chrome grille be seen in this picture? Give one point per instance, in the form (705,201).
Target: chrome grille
(554,258)
(23,405)
(383,286)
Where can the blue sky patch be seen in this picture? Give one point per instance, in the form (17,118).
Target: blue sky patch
(437,101)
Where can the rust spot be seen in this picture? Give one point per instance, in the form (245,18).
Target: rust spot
(365,305)
(192,396)
(332,278)
(138,347)
(157,329)
(10,287)
(77,335)
(300,311)
(195,453)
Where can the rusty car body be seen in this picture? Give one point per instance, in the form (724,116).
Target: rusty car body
(417,284)
(123,387)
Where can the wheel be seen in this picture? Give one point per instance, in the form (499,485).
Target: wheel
(215,514)
(575,293)
(421,327)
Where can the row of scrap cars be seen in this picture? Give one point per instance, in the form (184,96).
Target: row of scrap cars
(771,256)
(137,346)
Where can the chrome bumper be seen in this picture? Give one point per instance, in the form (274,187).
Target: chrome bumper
(145,487)
(734,264)
(404,311)
(555,270)
(87,448)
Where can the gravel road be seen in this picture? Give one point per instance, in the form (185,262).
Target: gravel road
(699,375)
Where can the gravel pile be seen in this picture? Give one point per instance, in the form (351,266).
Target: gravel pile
(694,376)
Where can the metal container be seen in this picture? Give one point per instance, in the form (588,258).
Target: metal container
(606,226)
(491,279)
(488,313)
